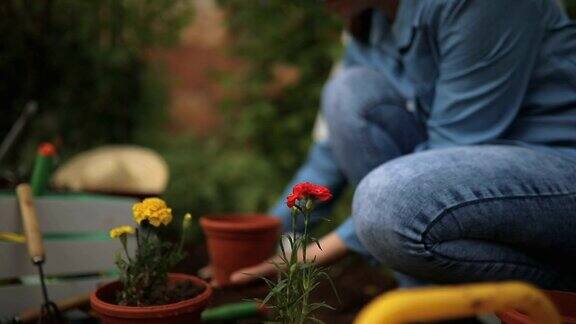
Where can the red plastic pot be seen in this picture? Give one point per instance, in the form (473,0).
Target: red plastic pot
(186,311)
(565,303)
(239,241)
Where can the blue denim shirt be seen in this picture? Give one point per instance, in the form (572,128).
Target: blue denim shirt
(479,71)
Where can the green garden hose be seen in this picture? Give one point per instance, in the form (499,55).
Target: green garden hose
(233,312)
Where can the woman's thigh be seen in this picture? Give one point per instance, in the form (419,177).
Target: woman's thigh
(367,121)
(472,214)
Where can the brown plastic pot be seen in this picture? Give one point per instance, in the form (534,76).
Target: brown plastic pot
(186,311)
(239,241)
(565,302)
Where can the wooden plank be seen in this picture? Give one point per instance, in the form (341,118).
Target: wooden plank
(62,257)
(69,214)
(17,298)
(62,214)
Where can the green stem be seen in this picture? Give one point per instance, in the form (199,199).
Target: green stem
(124,240)
(293,260)
(305,277)
(181,245)
(147,235)
(138,239)
(293,227)
(305,236)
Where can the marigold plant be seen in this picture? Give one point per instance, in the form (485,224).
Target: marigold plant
(144,274)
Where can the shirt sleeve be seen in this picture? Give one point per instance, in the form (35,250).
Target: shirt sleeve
(347,233)
(486,53)
(355,53)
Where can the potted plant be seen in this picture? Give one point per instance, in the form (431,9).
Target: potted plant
(239,241)
(298,275)
(146,291)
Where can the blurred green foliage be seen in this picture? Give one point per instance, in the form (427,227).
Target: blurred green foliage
(300,34)
(265,138)
(210,177)
(84,63)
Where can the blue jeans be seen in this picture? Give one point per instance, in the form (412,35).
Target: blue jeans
(453,215)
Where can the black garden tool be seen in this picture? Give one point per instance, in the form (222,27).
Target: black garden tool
(49,311)
(10,139)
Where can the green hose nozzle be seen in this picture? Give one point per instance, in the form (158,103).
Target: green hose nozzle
(42,168)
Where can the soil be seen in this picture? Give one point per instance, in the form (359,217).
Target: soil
(173,292)
(356,283)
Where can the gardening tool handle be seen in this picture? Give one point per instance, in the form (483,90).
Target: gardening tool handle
(452,302)
(30,221)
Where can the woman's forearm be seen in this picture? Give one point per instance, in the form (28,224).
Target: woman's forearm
(331,249)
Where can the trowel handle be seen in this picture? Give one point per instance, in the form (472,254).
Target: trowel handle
(30,221)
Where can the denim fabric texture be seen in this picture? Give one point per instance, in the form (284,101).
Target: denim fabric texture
(459,214)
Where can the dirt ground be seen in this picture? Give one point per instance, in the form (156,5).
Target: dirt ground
(356,283)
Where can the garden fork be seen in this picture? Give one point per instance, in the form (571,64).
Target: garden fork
(49,311)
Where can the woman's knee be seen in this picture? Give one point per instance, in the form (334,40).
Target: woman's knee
(439,215)
(397,208)
(386,209)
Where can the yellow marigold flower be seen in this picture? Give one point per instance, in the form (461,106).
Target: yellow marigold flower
(121,230)
(154,210)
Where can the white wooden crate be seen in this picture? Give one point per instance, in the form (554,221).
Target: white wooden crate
(85,214)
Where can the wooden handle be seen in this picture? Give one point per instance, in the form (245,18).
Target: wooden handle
(31,227)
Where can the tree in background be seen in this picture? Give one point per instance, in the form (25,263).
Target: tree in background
(84,63)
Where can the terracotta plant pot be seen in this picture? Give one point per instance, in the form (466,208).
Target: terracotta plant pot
(186,311)
(565,303)
(239,241)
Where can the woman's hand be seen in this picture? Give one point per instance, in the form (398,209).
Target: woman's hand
(333,249)
(206,272)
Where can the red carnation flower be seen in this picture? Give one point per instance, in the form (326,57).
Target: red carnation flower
(307,189)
